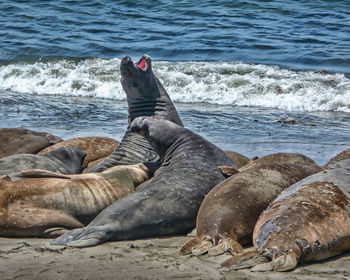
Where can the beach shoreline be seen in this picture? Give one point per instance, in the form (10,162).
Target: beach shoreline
(157,258)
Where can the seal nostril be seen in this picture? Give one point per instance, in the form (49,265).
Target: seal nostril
(134,84)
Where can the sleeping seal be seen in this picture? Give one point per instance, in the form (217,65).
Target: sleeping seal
(24,141)
(146,97)
(41,203)
(168,203)
(95,147)
(309,221)
(228,214)
(62,160)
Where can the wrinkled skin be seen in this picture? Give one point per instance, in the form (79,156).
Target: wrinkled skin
(24,141)
(228,214)
(146,97)
(39,203)
(62,160)
(307,222)
(168,203)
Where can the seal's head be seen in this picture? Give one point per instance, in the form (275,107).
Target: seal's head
(137,79)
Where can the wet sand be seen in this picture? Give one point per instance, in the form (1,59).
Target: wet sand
(142,259)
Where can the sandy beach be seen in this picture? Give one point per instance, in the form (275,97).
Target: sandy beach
(142,259)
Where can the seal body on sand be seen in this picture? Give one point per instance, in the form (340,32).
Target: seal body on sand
(42,203)
(229,212)
(62,160)
(24,141)
(146,97)
(307,222)
(168,203)
(95,147)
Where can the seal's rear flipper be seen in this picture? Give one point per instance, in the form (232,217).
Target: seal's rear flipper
(197,246)
(228,171)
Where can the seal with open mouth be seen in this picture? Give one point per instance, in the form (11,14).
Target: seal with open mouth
(146,97)
(166,204)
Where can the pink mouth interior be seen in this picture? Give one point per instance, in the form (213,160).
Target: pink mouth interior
(142,64)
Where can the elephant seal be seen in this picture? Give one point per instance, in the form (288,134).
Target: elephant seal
(146,97)
(307,222)
(62,160)
(40,203)
(341,156)
(239,159)
(168,203)
(24,141)
(95,147)
(227,216)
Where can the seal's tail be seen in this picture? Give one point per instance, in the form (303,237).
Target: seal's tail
(262,261)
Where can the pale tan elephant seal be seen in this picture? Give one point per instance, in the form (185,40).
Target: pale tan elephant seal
(24,141)
(227,216)
(38,203)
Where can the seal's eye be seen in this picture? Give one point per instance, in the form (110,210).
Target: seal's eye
(134,84)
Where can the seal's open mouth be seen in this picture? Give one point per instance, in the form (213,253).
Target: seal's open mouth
(142,64)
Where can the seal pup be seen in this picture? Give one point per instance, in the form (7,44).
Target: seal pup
(24,141)
(39,203)
(307,222)
(168,203)
(62,160)
(95,147)
(146,96)
(228,214)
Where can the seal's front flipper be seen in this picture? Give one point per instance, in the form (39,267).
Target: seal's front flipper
(228,171)
(226,245)
(83,237)
(187,248)
(285,262)
(244,260)
(39,173)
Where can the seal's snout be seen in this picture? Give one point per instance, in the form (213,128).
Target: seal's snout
(127,67)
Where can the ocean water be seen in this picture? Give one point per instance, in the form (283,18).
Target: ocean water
(257,77)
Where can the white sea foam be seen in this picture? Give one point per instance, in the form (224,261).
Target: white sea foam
(222,83)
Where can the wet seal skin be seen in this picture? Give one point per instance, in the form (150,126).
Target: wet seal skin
(39,203)
(62,160)
(146,96)
(228,214)
(168,203)
(307,222)
(24,141)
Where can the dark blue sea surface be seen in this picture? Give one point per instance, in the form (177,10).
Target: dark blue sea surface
(296,34)
(237,71)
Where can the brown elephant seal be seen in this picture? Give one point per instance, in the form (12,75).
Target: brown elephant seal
(95,147)
(62,160)
(307,222)
(239,159)
(45,204)
(146,96)
(24,141)
(343,155)
(229,212)
(168,203)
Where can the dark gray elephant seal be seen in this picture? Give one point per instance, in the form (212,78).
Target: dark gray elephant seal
(146,97)
(24,141)
(168,203)
(62,160)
